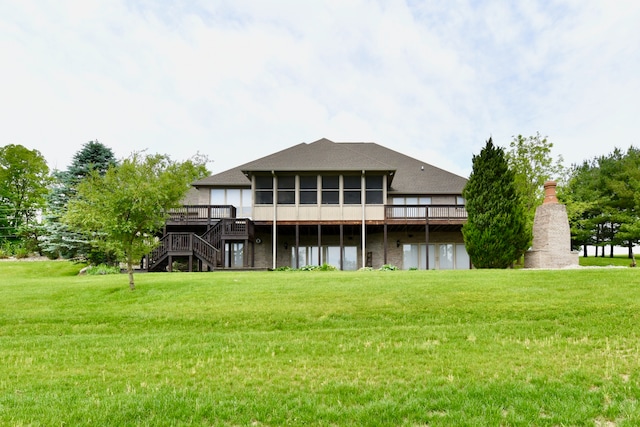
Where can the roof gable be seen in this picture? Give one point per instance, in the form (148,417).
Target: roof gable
(321,155)
(410,175)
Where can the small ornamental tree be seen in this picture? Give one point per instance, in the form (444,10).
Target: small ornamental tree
(496,233)
(125,208)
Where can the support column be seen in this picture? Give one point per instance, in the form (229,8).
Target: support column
(341,247)
(297,246)
(319,244)
(274,240)
(363,232)
(385,242)
(426,238)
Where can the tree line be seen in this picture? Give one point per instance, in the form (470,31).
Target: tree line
(99,209)
(105,210)
(602,196)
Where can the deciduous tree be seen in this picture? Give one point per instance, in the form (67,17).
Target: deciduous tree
(24,176)
(128,205)
(532,164)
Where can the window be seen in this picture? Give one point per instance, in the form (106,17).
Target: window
(442,256)
(240,198)
(308,255)
(218,196)
(330,190)
(462,257)
(308,190)
(352,193)
(264,190)
(286,190)
(233,197)
(460,201)
(350,258)
(445,256)
(374,190)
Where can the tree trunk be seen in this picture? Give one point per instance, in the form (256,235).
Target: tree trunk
(630,250)
(584,250)
(132,286)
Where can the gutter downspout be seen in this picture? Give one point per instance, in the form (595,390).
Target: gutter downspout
(363,194)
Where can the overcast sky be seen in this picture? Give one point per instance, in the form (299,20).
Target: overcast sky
(236,80)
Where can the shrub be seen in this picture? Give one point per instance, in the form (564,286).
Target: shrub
(388,267)
(101,269)
(20,251)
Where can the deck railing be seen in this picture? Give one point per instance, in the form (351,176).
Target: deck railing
(439,212)
(200,213)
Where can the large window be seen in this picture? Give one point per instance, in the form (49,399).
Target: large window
(308,190)
(264,190)
(330,190)
(238,197)
(374,190)
(411,206)
(442,256)
(352,185)
(286,190)
(308,255)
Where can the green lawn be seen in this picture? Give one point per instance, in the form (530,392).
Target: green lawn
(509,347)
(616,261)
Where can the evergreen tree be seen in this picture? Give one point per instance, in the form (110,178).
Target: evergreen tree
(603,203)
(496,233)
(59,239)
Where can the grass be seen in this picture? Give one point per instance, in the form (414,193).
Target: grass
(511,347)
(616,261)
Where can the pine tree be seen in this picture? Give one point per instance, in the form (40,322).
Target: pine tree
(496,233)
(59,240)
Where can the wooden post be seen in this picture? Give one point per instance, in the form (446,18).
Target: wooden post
(319,244)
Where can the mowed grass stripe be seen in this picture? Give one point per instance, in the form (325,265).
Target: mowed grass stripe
(321,348)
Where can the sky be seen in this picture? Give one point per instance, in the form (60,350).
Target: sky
(238,80)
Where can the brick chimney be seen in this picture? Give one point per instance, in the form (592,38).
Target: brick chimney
(550,192)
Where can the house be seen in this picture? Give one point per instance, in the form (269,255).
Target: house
(350,205)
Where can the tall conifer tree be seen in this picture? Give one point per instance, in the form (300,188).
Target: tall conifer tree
(496,233)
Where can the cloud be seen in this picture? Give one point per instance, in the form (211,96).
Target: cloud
(239,80)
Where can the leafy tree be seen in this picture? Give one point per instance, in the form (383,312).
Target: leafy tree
(496,233)
(24,176)
(128,205)
(530,160)
(60,240)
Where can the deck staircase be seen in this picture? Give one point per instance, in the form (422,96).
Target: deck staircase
(206,247)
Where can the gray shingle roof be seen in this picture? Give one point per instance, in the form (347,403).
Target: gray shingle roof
(410,176)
